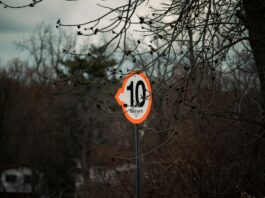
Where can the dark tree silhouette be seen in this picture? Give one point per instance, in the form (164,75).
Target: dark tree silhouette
(206,63)
(201,33)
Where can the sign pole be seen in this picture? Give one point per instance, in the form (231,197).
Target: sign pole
(138,161)
(136,89)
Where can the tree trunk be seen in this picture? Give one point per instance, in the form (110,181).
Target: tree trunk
(255,22)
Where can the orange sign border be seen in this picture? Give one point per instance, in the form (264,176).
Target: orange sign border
(121,103)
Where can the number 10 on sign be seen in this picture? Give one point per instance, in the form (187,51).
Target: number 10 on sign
(135,97)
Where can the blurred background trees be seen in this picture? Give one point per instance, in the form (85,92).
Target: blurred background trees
(205,134)
(35,136)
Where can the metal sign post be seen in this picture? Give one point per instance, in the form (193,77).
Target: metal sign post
(138,160)
(135,99)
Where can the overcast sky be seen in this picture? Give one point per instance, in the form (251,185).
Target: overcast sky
(16,24)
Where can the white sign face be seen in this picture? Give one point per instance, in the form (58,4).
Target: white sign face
(135,97)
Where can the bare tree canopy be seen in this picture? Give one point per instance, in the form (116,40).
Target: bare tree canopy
(200,34)
(206,63)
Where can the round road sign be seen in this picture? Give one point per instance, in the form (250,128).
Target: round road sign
(135,97)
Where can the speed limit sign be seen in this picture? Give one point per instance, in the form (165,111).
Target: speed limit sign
(135,97)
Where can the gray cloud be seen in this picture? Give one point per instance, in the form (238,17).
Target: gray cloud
(7,25)
(18,23)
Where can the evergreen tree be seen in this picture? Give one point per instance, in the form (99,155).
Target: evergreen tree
(84,70)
